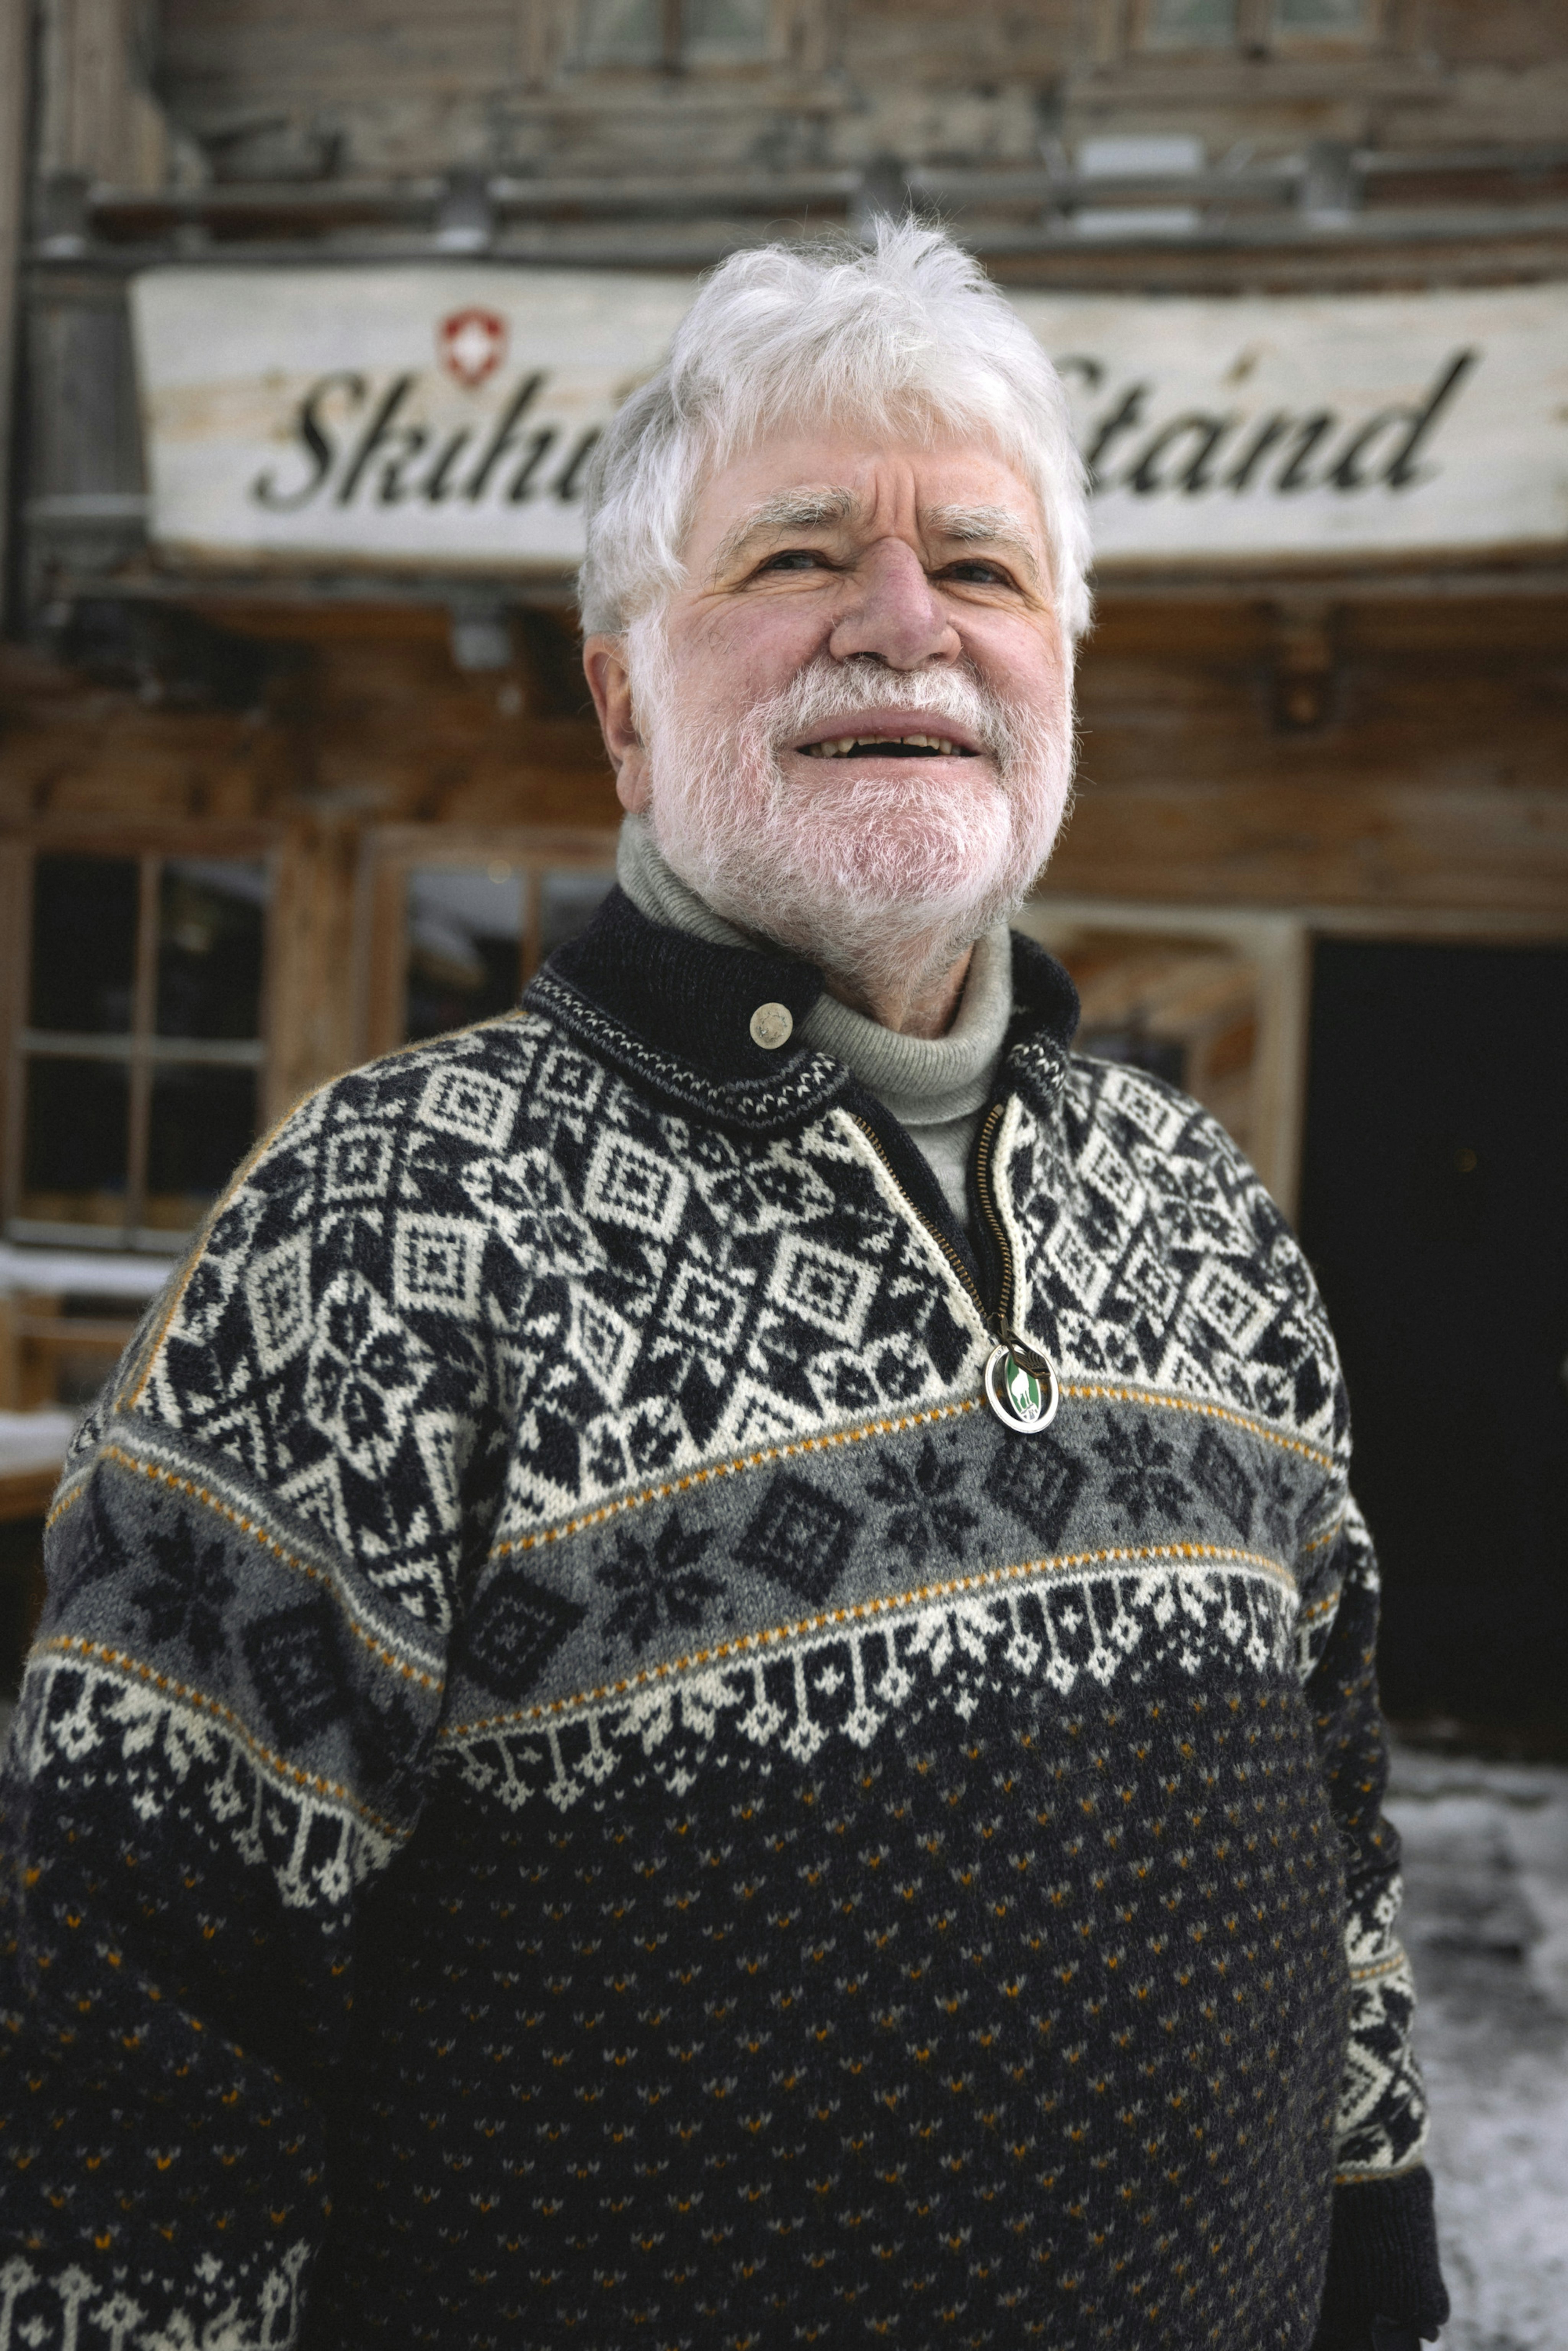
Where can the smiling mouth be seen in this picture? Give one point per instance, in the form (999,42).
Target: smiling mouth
(887,747)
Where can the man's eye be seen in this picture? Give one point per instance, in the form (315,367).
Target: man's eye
(793,559)
(985,575)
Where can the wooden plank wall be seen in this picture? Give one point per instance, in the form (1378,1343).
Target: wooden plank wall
(374,85)
(1434,777)
(12,135)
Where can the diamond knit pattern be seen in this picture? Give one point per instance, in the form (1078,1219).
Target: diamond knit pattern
(576,1786)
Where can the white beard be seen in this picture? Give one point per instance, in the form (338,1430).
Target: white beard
(882,882)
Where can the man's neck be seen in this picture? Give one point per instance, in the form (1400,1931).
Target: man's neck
(923,1005)
(919,999)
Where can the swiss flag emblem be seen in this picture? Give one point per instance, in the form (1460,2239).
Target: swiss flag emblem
(471,345)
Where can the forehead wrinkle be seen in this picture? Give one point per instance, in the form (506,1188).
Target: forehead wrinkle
(801,509)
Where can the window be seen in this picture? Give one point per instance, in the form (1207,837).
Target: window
(140,1047)
(1252,24)
(1213,1000)
(460,920)
(1328,17)
(673,32)
(1193,23)
(1132,156)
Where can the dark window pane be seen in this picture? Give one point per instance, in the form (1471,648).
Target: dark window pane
(203,1123)
(464,937)
(1202,23)
(212,916)
(1163,1057)
(568,903)
(622,32)
(84,943)
(719,30)
(78,1135)
(1323,15)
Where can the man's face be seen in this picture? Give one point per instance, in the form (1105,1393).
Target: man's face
(856,711)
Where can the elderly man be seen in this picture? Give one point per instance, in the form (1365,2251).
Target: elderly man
(708,1677)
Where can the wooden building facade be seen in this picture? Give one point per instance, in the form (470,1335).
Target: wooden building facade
(260,818)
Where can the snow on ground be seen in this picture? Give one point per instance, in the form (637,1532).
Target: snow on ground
(1486,1924)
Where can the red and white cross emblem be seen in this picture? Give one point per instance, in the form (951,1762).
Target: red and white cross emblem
(471,344)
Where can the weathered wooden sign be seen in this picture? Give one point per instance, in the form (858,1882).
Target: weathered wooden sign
(435,419)
(441,418)
(1313,425)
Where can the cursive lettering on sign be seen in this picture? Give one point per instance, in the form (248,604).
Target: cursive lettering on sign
(359,444)
(1127,446)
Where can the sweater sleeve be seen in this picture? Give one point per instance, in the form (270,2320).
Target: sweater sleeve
(1383,2254)
(223,1739)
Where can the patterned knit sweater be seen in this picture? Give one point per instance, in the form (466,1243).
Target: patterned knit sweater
(578,1786)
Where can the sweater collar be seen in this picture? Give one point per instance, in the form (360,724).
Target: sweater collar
(674,1012)
(921,1079)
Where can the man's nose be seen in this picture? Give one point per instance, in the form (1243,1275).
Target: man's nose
(894,613)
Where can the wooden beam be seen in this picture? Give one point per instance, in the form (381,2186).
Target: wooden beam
(1428,846)
(13,78)
(97,119)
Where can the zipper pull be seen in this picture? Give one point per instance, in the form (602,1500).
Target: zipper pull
(1020,1383)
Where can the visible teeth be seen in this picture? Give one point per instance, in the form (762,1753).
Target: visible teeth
(839,747)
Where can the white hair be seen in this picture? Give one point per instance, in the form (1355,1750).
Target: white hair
(909,337)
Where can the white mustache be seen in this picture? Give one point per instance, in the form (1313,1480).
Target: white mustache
(827,689)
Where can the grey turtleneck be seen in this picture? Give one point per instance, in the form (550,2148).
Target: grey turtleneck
(935,1086)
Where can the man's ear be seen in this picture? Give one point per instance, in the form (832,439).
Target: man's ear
(610,683)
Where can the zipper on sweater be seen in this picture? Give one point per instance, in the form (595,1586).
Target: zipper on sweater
(943,1243)
(988,1137)
(997,1319)
(1014,1371)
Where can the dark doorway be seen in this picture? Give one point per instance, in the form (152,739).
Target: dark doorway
(1435,1210)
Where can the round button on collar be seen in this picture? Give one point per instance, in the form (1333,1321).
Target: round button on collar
(773,1025)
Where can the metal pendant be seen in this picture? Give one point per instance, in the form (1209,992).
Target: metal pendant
(1021,1389)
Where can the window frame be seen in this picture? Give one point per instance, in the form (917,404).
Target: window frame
(1335,40)
(1272,946)
(1258,33)
(678,55)
(138,1047)
(390,852)
(1278,942)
